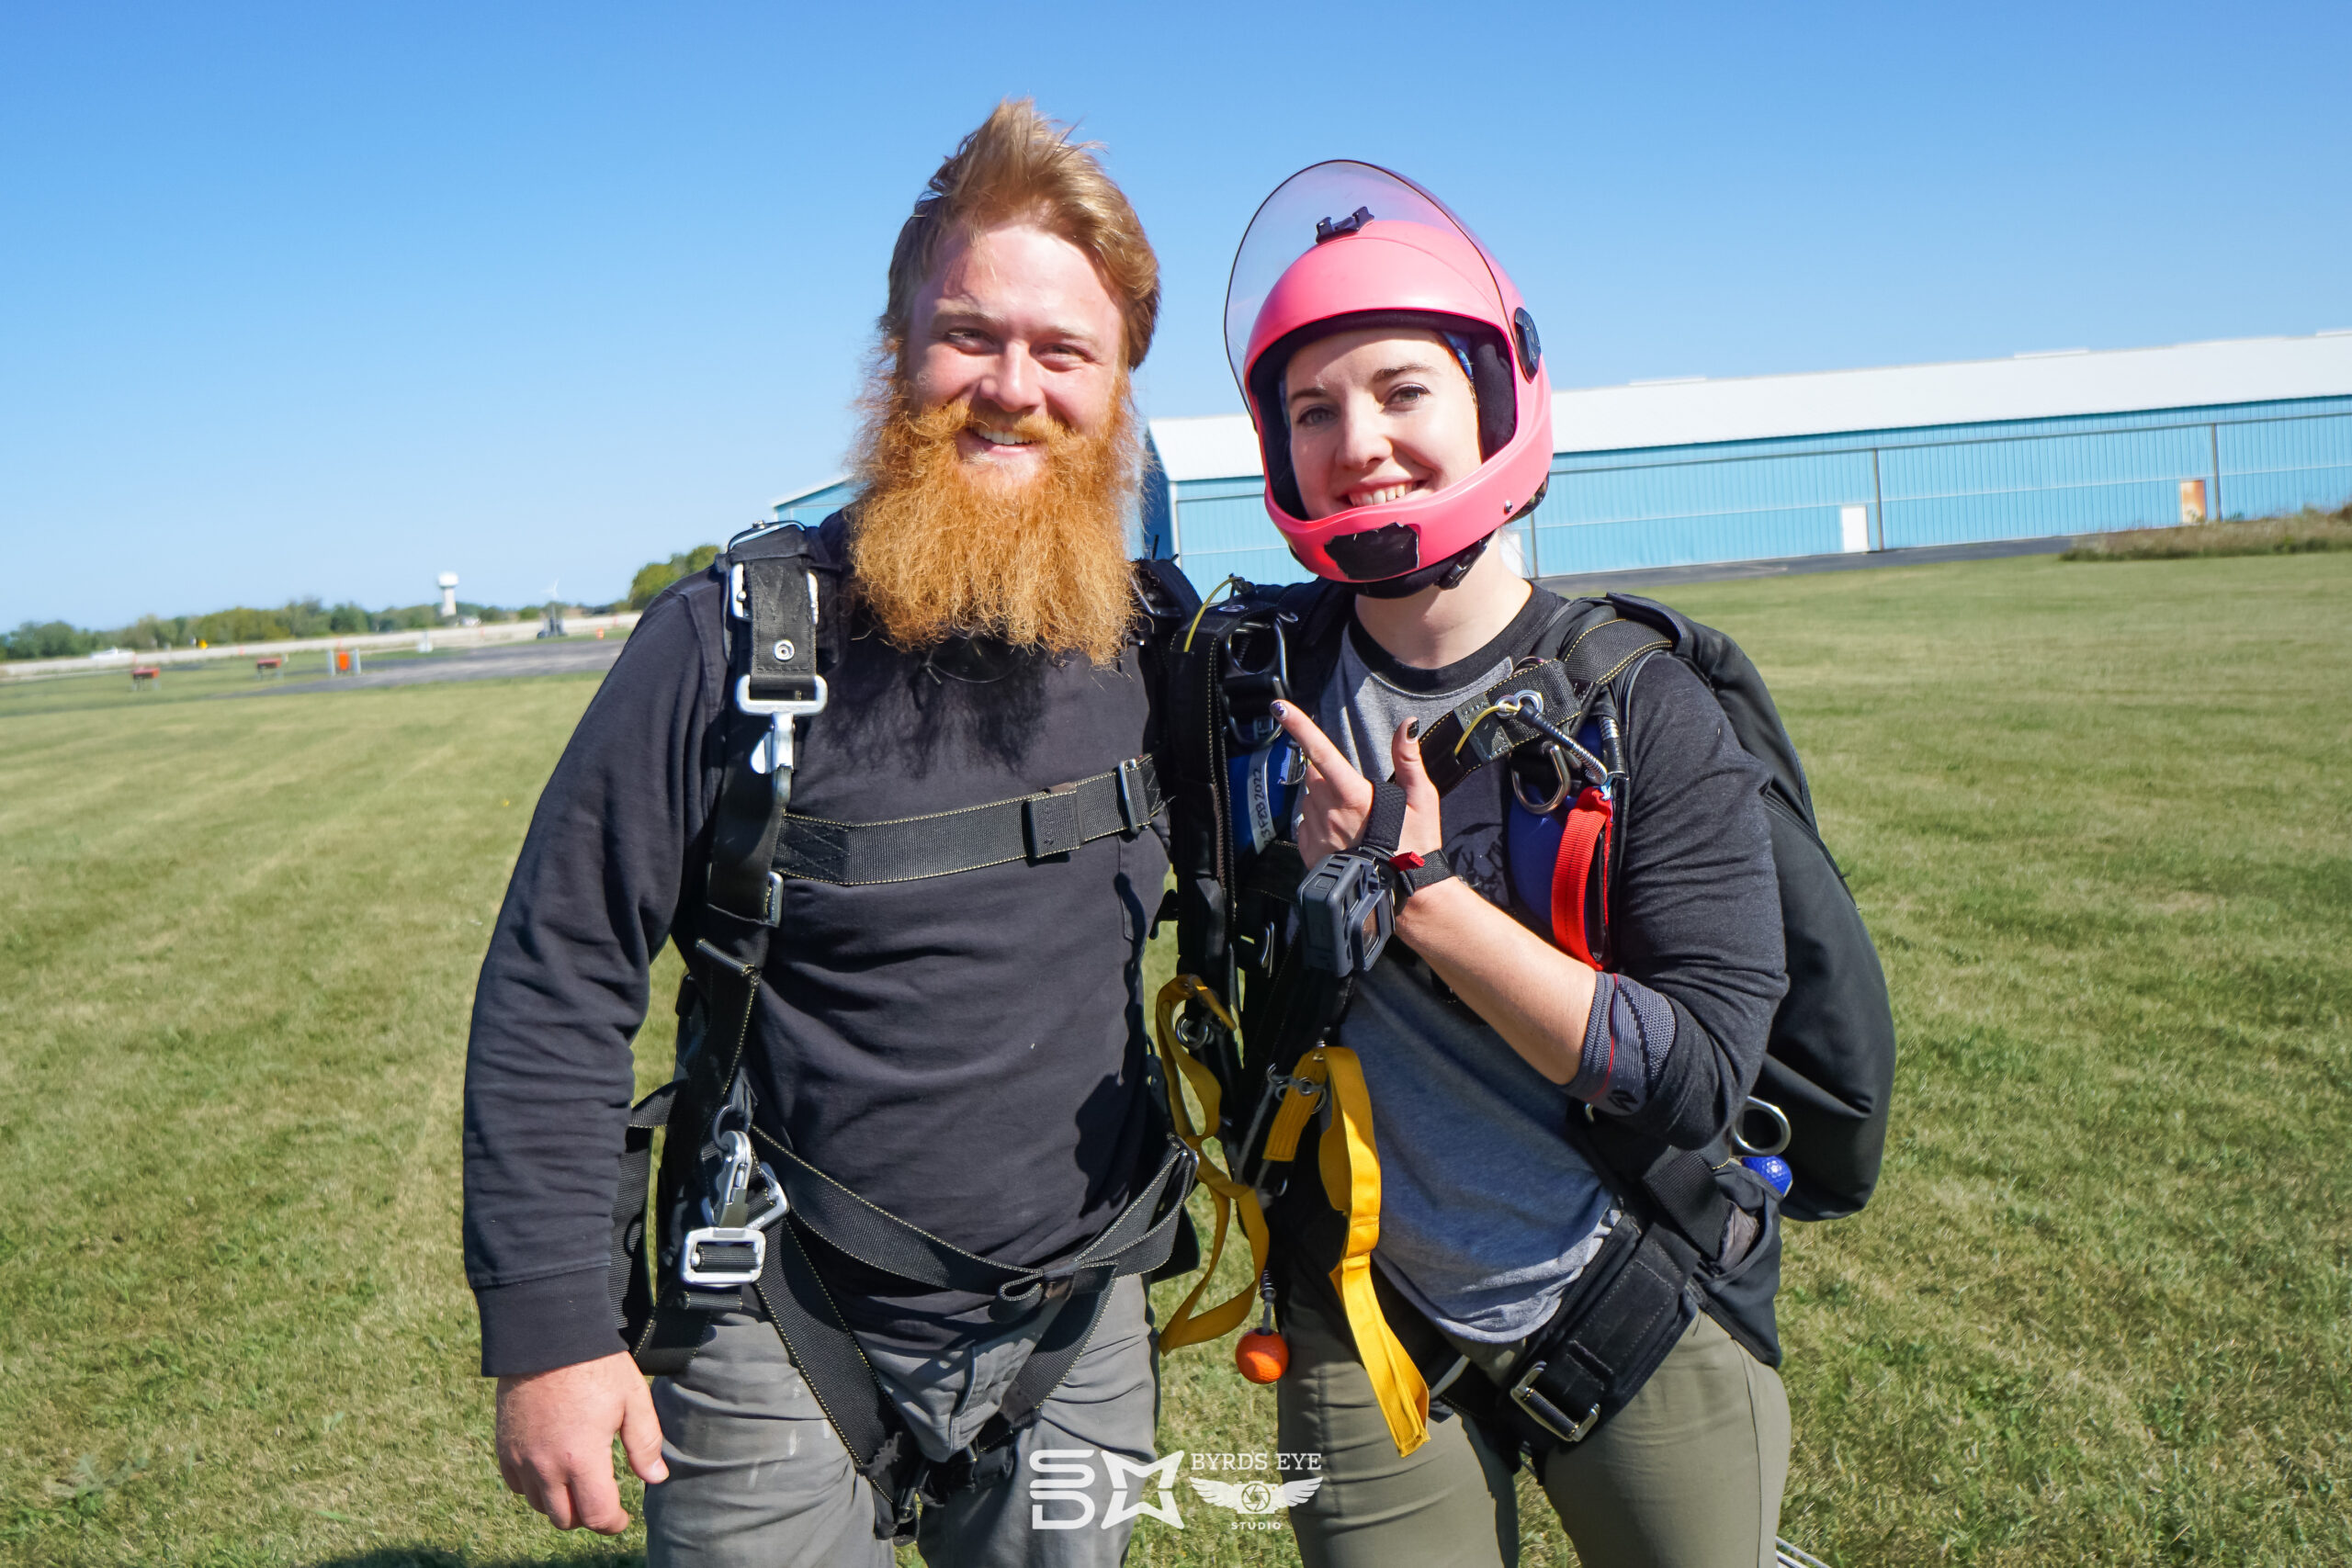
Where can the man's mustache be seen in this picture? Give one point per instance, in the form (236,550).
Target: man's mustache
(991,422)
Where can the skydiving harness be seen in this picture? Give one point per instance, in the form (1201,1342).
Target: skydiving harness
(734,1207)
(1555,721)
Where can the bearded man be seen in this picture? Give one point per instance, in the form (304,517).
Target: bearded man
(959,1044)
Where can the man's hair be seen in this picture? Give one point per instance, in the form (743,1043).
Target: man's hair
(1021,166)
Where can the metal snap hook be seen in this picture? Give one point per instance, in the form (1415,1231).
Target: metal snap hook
(1560,772)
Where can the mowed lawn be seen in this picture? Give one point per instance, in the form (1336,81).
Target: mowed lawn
(2099,815)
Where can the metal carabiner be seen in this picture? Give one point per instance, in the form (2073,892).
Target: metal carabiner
(729,1248)
(726,1202)
(1560,771)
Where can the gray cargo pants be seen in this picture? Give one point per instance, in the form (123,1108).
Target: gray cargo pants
(1688,1475)
(759,1480)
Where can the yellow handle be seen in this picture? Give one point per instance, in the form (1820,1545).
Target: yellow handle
(1349,1163)
(1351,1168)
(1227,1194)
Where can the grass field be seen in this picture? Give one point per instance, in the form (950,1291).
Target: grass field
(2096,816)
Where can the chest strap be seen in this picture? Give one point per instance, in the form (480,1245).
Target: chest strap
(1029,827)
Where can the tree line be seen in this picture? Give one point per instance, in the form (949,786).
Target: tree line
(307,618)
(656,575)
(296,618)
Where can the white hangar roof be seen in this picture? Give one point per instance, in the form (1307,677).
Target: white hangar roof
(1751,408)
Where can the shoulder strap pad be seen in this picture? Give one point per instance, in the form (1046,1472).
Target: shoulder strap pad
(1167,595)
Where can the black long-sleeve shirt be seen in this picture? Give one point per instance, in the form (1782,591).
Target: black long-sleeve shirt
(964,1051)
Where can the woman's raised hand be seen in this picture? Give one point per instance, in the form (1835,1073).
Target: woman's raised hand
(1337,798)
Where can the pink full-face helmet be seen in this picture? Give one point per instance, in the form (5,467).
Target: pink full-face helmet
(1343,245)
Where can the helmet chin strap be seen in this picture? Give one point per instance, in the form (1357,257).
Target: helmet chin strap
(1447,573)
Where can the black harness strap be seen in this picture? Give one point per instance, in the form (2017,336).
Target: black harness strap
(772,590)
(772,587)
(1031,827)
(1622,1316)
(1596,655)
(632,1285)
(835,1368)
(1135,1243)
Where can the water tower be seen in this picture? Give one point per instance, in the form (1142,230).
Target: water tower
(448,595)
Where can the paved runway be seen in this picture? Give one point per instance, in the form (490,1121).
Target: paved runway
(506,663)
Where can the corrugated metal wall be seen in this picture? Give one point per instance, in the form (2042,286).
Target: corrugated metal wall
(1953,484)
(817,505)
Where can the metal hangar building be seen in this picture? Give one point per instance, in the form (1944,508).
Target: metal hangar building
(1695,472)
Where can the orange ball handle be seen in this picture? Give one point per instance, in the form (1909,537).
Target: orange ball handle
(1261,1356)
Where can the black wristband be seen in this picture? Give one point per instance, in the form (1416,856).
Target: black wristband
(1409,873)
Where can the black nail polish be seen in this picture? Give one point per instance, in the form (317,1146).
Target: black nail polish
(1412,729)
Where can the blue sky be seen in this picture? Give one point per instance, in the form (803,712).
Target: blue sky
(328,300)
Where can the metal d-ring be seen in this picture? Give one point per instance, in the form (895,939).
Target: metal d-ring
(1739,1138)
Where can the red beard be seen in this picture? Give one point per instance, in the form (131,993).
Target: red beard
(1040,565)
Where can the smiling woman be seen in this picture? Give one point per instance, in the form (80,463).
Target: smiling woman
(1376,416)
(1403,415)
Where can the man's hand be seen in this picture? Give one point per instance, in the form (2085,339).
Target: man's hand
(555,1439)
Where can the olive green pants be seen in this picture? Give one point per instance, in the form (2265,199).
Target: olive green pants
(1689,1476)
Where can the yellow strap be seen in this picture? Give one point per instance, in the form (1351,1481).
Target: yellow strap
(1349,1163)
(1350,1166)
(1227,1194)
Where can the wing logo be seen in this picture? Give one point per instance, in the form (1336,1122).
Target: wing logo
(1256,1496)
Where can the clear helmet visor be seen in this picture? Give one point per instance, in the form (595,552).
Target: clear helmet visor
(1288,222)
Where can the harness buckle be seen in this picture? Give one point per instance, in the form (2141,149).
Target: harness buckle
(1137,805)
(776,746)
(1016,1299)
(729,1248)
(1051,825)
(1548,1415)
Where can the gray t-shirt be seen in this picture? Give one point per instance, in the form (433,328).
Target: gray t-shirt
(1487,1211)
